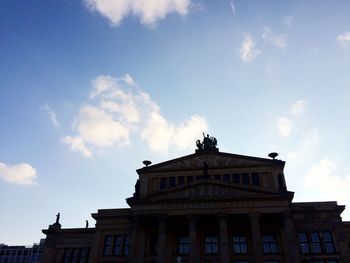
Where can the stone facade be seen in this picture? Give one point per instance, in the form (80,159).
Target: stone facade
(213,207)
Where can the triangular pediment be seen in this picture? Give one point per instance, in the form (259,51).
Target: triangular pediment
(207,190)
(213,160)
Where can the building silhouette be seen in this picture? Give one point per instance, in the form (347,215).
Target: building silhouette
(21,254)
(209,206)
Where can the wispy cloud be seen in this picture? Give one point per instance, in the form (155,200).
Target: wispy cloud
(21,173)
(148,11)
(322,184)
(344,38)
(284,126)
(279,41)
(119,108)
(288,20)
(233,8)
(51,115)
(309,141)
(248,50)
(298,107)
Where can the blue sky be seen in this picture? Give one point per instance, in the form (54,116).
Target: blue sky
(89,89)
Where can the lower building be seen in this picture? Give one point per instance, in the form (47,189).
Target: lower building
(21,254)
(209,206)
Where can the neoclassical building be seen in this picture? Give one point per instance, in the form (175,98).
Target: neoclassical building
(209,206)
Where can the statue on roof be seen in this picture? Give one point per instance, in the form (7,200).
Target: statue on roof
(208,143)
(58,218)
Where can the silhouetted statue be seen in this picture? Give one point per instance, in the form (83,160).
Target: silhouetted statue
(86,224)
(209,143)
(58,218)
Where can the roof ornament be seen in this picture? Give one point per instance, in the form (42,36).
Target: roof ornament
(208,144)
(273,155)
(147,162)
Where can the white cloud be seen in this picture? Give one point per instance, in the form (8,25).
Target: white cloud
(322,184)
(21,173)
(117,109)
(288,20)
(298,107)
(344,38)
(248,50)
(308,143)
(233,8)
(284,126)
(148,11)
(277,40)
(76,144)
(51,114)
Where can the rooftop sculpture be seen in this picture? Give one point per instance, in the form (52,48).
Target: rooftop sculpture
(208,143)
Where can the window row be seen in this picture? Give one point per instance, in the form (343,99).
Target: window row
(239,245)
(76,255)
(116,245)
(244,178)
(316,242)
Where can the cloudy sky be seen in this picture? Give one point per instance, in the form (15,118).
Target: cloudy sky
(91,88)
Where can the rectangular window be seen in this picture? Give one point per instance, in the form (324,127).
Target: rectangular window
(240,245)
(163,183)
(183,246)
(181,180)
(328,242)
(245,178)
(211,245)
(107,247)
(269,244)
(226,178)
(315,243)
(304,245)
(241,261)
(255,179)
(117,245)
(236,178)
(189,179)
(172,181)
(272,261)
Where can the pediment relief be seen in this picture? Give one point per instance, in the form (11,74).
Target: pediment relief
(212,160)
(207,190)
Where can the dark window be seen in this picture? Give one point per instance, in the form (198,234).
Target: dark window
(226,178)
(272,261)
(107,247)
(183,246)
(217,177)
(181,180)
(245,178)
(211,245)
(269,244)
(241,261)
(304,245)
(75,255)
(236,179)
(240,245)
(172,181)
(119,243)
(163,183)
(189,179)
(315,243)
(328,242)
(200,177)
(255,179)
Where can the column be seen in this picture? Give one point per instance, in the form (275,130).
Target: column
(136,241)
(224,242)
(290,239)
(161,247)
(256,238)
(192,235)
